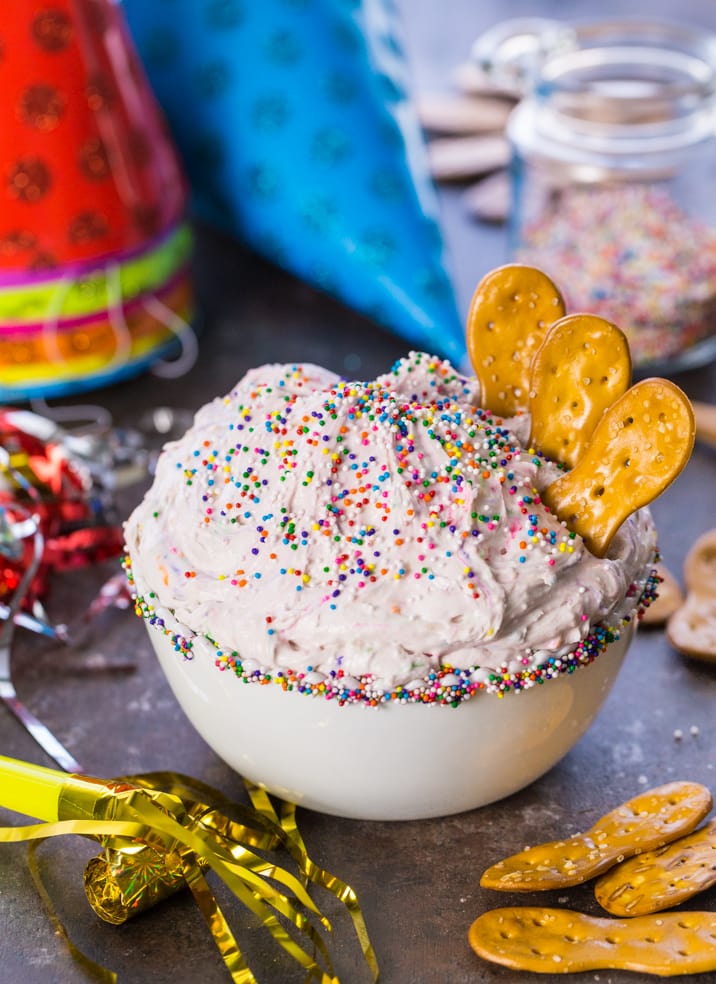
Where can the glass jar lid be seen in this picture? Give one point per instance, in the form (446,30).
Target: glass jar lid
(624,88)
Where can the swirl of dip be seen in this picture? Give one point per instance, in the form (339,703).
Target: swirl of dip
(380,530)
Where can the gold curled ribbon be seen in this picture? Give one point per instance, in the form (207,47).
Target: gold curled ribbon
(100,974)
(163,831)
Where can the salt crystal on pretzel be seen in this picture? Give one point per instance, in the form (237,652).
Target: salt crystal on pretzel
(637,449)
(510,313)
(582,367)
(662,878)
(647,821)
(561,941)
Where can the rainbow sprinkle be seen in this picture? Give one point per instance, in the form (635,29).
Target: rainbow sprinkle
(448,465)
(630,254)
(449,685)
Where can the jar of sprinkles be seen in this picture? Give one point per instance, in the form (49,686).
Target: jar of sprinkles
(614,173)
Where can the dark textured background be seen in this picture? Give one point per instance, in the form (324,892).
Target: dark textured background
(417,882)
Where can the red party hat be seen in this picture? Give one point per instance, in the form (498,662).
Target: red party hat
(94,253)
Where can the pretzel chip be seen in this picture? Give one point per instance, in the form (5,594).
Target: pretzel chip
(661,879)
(700,566)
(637,449)
(561,941)
(646,822)
(582,367)
(511,310)
(692,628)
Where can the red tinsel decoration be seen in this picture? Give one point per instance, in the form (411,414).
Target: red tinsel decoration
(43,478)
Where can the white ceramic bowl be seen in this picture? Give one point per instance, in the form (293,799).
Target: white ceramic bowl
(394,761)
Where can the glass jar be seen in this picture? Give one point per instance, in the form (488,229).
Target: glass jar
(614,174)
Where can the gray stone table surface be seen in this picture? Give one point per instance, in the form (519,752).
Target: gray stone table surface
(418,882)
